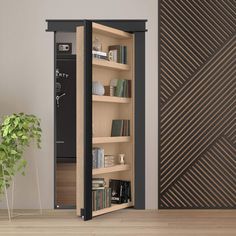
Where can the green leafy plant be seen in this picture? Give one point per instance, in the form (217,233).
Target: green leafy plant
(17,132)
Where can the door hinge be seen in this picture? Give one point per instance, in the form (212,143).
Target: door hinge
(82,213)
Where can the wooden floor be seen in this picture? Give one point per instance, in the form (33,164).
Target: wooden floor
(124,222)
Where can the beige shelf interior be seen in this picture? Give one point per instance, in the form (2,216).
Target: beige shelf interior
(104,110)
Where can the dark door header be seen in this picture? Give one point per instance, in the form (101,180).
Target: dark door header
(70,25)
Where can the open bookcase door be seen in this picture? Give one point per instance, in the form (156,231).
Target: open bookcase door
(84,120)
(104,110)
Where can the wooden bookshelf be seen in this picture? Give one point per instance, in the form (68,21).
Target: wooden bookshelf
(114,207)
(115,168)
(105,109)
(121,139)
(97,98)
(108,108)
(110,64)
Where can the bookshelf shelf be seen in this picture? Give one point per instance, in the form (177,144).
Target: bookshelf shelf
(111,32)
(110,64)
(114,207)
(115,168)
(97,98)
(121,139)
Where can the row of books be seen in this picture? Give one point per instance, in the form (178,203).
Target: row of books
(100,160)
(118,192)
(119,88)
(118,53)
(101,198)
(120,128)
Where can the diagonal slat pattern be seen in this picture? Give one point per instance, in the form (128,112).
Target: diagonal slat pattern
(191,32)
(209,183)
(197,104)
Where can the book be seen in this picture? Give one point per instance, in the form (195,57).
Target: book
(117,127)
(119,88)
(101,198)
(98,157)
(120,128)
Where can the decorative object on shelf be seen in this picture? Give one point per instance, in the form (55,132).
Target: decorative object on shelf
(112,55)
(64,48)
(97,45)
(109,160)
(117,53)
(120,191)
(121,158)
(98,88)
(17,131)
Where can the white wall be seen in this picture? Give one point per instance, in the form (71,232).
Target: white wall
(26,78)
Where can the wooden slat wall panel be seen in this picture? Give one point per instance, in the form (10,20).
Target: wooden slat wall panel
(197,104)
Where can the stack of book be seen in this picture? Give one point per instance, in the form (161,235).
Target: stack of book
(109,160)
(120,191)
(98,183)
(101,195)
(99,55)
(118,53)
(120,128)
(98,157)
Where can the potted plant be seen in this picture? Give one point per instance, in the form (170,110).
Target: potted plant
(17,131)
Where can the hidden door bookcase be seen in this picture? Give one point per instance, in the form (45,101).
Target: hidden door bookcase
(95,114)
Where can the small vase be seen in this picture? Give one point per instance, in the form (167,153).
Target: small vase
(122,159)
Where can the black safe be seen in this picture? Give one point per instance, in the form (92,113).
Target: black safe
(65,107)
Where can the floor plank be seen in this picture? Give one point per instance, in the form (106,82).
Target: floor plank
(125,222)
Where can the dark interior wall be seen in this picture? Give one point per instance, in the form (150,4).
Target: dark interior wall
(197,104)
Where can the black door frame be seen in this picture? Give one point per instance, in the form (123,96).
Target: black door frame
(138,28)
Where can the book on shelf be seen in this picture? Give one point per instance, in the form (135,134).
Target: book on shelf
(101,195)
(118,53)
(101,198)
(120,128)
(119,88)
(120,191)
(98,157)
